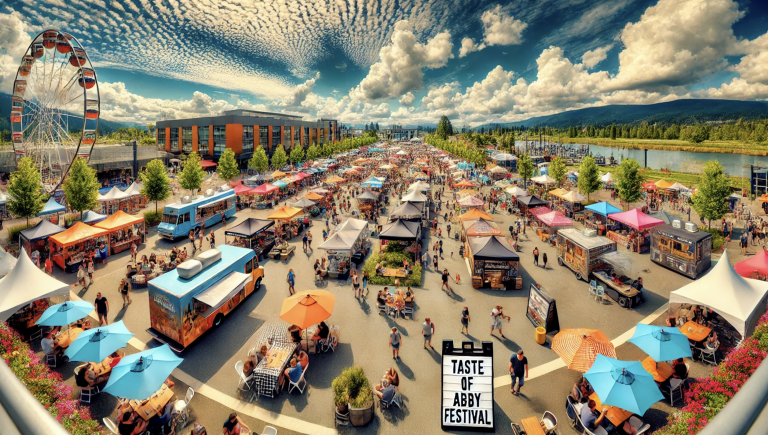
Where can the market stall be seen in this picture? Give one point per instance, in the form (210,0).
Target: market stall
(136,201)
(568,202)
(347,245)
(7,263)
(410,211)
(478,228)
(414,196)
(114,200)
(265,195)
(638,238)
(494,263)
(581,251)
(597,217)
(469,202)
(552,222)
(36,238)
(289,226)
(367,201)
(70,247)
(528,202)
(682,248)
(124,230)
(406,233)
(257,234)
(90,217)
(53,212)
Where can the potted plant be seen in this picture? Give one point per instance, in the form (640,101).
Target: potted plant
(353,394)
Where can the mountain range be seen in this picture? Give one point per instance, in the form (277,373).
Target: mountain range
(672,112)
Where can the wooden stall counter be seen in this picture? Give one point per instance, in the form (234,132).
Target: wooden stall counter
(152,406)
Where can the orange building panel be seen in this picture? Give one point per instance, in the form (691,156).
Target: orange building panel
(168,139)
(235,138)
(269,137)
(180,139)
(194,138)
(210,140)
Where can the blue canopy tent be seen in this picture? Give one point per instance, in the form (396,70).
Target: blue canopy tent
(52,207)
(603,208)
(372,183)
(280,183)
(91,217)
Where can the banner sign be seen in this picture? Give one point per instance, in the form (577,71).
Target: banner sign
(467,387)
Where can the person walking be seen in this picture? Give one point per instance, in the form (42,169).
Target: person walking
(102,309)
(309,240)
(200,237)
(434,261)
(444,277)
(81,277)
(191,237)
(134,252)
(536,256)
(427,329)
(356,284)
(544,259)
(518,371)
(291,282)
(304,242)
(212,238)
(124,288)
(465,321)
(497,315)
(394,342)
(364,291)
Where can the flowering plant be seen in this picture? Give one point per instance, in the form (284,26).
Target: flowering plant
(709,395)
(46,385)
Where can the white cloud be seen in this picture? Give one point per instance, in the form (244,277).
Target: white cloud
(468,46)
(498,29)
(593,57)
(14,41)
(754,66)
(297,97)
(407,99)
(737,89)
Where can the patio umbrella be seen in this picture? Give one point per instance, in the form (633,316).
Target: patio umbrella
(65,313)
(140,375)
(96,344)
(661,343)
(308,308)
(624,384)
(578,348)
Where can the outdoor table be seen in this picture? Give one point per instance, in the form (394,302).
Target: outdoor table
(65,338)
(694,331)
(395,273)
(615,415)
(267,372)
(102,368)
(661,371)
(154,405)
(531,426)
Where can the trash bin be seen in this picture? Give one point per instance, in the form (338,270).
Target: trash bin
(541,335)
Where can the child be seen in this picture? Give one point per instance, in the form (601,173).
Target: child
(458,278)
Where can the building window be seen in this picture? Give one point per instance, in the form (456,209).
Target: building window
(161,138)
(276,139)
(174,139)
(320,133)
(186,139)
(219,139)
(264,137)
(306,137)
(296,138)
(247,139)
(203,134)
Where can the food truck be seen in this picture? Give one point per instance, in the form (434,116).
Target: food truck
(581,251)
(181,217)
(196,296)
(494,263)
(682,248)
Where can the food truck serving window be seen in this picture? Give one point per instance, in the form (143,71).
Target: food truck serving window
(184,218)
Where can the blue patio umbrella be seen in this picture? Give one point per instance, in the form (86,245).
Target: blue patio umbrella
(661,343)
(96,344)
(140,375)
(65,313)
(625,384)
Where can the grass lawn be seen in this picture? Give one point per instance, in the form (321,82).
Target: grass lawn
(392,257)
(687,180)
(724,147)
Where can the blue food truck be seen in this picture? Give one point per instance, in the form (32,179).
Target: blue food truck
(181,217)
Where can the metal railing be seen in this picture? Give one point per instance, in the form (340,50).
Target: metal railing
(20,412)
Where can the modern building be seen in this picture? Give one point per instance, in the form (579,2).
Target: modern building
(398,133)
(241,131)
(352,132)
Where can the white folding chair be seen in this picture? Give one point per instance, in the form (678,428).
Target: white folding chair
(184,415)
(300,385)
(269,430)
(636,423)
(110,425)
(382,308)
(675,385)
(708,354)
(598,431)
(244,380)
(593,288)
(550,421)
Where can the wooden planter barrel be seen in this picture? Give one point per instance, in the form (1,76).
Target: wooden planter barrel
(361,416)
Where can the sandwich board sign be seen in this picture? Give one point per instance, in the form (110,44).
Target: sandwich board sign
(467,387)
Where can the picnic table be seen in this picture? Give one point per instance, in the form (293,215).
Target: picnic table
(661,371)
(531,426)
(65,338)
(267,372)
(154,405)
(694,331)
(615,415)
(395,273)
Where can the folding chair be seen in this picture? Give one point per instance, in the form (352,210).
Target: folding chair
(110,425)
(184,415)
(675,385)
(593,288)
(300,385)
(708,355)
(244,380)
(636,423)
(269,430)
(87,392)
(550,421)
(408,311)
(382,309)
(50,359)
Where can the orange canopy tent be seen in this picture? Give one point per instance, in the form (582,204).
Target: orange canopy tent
(313,196)
(118,220)
(481,228)
(63,245)
(661,184)
(476,214)
(334,179)
(465,183)
(285,213)
(278,175)
(119,225)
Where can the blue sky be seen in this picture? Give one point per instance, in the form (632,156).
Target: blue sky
(401,61)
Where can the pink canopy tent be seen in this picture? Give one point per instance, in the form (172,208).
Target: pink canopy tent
(636,219)
(758,263)
(554,219)
(470,201)
(241,189)
(536,211)
(264,189)
(207,164)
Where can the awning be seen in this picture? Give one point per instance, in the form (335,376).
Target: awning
(531,201)
(280,183)
(414,196)
(118,220)
(221,292)
(242,189)
(400,230)
(302,203)
(264,189)
(26,283)
(285,213)
(636,219)
(492,248)
(475,214)
(90,217)
(77,233)
(554,219)
(367,195)
(481,227)
(661,184)
(207,164)
(42,230)
(113,194)
(249,227)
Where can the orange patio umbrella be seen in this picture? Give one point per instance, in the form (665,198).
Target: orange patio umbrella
(579,347)
(476,214)
(764,197)
(308,308)
(465,183)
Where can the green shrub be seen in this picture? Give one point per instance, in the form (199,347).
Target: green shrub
(13,232)
(70,219)
(352,387)
(392,259)
(152,218)
(717,238)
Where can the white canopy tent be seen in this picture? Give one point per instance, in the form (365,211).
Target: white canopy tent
(7,263)
(517,191)
(677,186)
(740,301)
(421,186)
(26,284)
(414,196)
(113,194)
(133,189)
(607,178)
(544,179)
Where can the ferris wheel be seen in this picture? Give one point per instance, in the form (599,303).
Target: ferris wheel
(55,106)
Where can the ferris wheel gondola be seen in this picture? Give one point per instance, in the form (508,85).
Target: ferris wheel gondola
(55,105)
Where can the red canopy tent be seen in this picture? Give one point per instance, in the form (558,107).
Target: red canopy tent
(540,210)
(649,186)
(241,189)
(758,263)
(636,219)
(207,164)
(264,189)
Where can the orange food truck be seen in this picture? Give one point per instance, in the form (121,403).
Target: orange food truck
(199,293)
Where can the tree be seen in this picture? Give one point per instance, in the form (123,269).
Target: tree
(279,159)
(525,168)
(191,175)
(613,132)
(589,176)
(444,128)
(710,202)
(371,133)
(227,168)
(557,170)
(156,185)
(25,192)
(297,155)
(630,181)
(81,188)
(313,153)
(150,127)
(259,161)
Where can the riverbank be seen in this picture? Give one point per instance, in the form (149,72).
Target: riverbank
(686,179)
(720,147)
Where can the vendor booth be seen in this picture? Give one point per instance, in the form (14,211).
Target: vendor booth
(70,247)
(597,217)
(114,200)
(470,201)
(347,245)
(494,263)
(53,212)
(581,251)
(289,226)
(265,196)
(4,215)
(257,234)
(36,238)
(25,293)
(682,248)
(528,202)
(638,239)
(7,263)
(414,196)
(90,217)
(124,230)
(406,233)
(475,214)
(551,223)
(755,267)
(569,203)
(479,228)
(136,201)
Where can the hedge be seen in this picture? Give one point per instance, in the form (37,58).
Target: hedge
(46,385)
(152,218)
(707,396)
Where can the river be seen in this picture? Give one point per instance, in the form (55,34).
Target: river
(682,161)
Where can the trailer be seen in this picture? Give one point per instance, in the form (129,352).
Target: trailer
(626,295)
(581,251)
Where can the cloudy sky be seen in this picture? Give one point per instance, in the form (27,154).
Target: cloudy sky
(401,61)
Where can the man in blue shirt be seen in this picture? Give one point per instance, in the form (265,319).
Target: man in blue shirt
(589,420)
(385,392)
(291,281)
